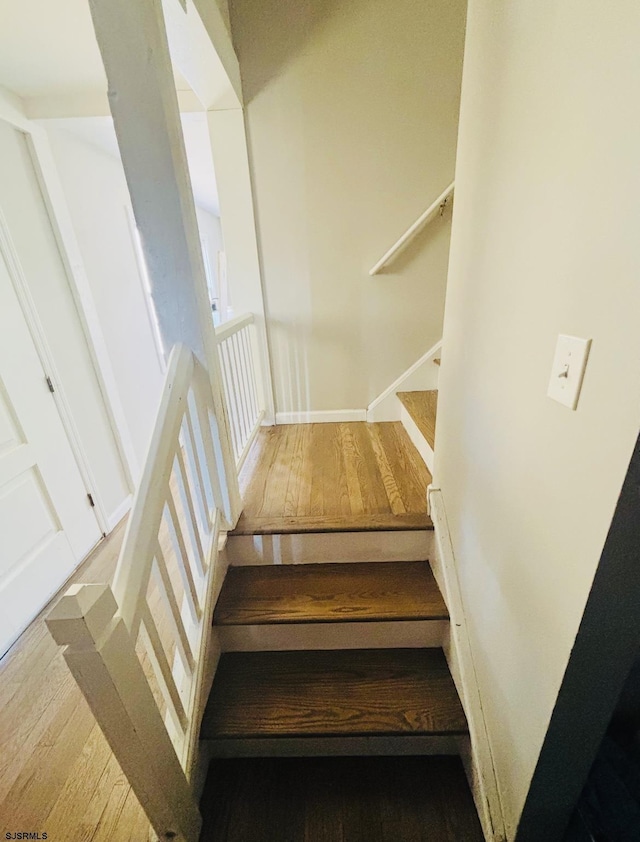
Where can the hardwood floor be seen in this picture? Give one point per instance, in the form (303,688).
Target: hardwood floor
(391,799)
(422,407)
(57,773)
(332,477)
(382,692)
(329,593)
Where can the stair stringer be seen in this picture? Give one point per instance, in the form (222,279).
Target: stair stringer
(475,752)
(419,441)
(421,376)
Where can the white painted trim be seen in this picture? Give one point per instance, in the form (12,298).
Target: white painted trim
(286,637)
(11,111)
(227,329)
(396,386)
(478,762)
(421,444)
(120,511)
(321,416)
(334,547)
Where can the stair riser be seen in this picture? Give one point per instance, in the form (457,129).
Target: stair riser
(421,444)
(336,746)
(284,637)
(330,547)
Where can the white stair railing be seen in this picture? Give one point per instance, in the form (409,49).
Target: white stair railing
(435,207)
(242,382)
(140,651)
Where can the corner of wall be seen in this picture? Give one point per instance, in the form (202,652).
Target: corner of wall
(423,374)
(476,754)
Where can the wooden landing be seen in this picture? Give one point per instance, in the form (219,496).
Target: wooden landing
(57,772)
(422,407)
(329,694)
(331,478)
(329,593)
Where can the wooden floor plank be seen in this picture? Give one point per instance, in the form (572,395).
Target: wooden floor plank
(321,694)
(333,477)
(352,457)
(325,593)
(372,487)
(52,755)
(422,407)
(383,458)
(405,463)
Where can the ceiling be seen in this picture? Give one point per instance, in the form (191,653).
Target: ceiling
(48,49)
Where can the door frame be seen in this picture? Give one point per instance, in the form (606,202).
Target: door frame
(46,172)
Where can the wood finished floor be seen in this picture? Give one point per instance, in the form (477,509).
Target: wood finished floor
(422,407)
(57,773)
(364,799)
(333,477)
(364,692)
(329,593)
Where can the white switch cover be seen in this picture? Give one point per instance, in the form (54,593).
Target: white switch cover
(567,371)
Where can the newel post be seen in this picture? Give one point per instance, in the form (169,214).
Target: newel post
(103,661)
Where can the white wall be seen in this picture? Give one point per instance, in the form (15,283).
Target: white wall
(352,119)
(545,241)
(97,197)
(211,235)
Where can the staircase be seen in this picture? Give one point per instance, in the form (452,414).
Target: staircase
(418,416)
(332,659)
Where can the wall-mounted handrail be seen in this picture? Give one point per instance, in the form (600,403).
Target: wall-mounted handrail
(430,212)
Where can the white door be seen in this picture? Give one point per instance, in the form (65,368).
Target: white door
(47,524)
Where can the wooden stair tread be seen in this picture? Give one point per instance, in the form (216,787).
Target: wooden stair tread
(324,593)
(422,407)
(339,693)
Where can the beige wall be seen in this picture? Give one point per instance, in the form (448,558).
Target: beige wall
(545,241)
(352,118)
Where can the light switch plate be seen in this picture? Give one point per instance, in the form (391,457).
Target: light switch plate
(567,371)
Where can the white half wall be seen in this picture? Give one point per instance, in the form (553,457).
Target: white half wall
(544,241)
(98,199)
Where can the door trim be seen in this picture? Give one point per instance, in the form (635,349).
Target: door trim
(64,234)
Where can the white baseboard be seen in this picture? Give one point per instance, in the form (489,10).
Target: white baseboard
(321,416)
(478,761)
(422,375)
(334,547)
(116,516)
(421,444)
